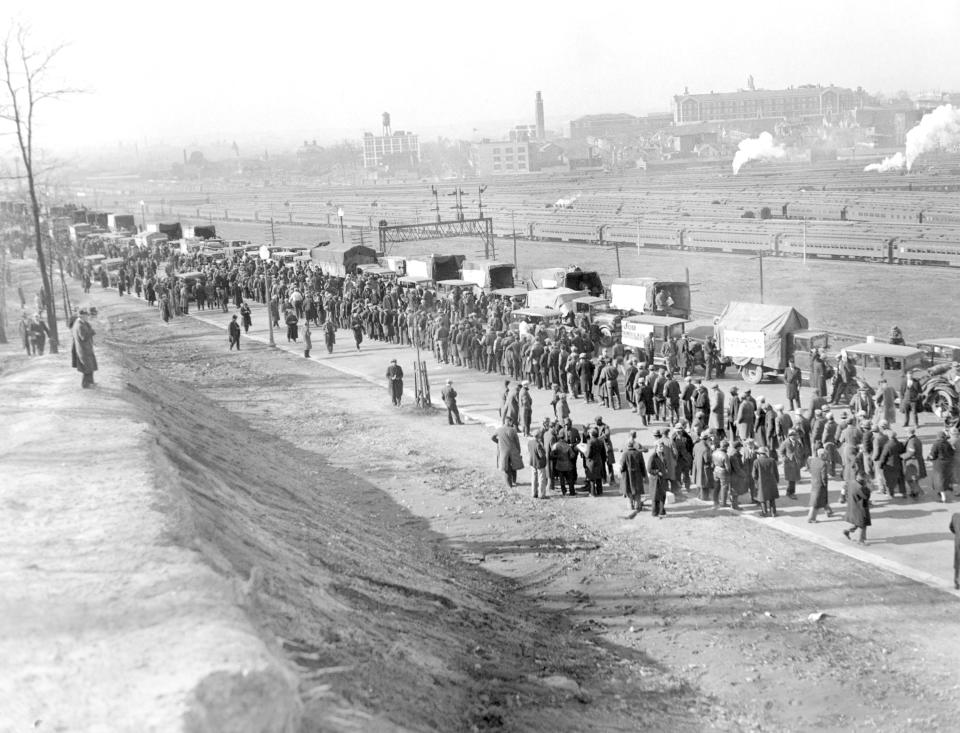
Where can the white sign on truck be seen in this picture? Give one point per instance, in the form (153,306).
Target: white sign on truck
(627,297)
(635,334)
(743,344)
(418,268)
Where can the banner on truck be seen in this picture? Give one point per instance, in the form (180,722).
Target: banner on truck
(635,334)
(743,344)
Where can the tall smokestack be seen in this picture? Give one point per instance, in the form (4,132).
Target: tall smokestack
(541,132)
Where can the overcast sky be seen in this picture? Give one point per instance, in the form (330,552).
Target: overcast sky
(178,71)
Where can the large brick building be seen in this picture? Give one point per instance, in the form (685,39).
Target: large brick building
(504,157)
(792,104)
(399,149)
(617,125)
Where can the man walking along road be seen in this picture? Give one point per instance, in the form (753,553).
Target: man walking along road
(233,333)
(449,395)
(86,360)
(395,382)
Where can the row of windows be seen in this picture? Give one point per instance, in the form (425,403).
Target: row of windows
(520,151)
(520,157)
(509,166)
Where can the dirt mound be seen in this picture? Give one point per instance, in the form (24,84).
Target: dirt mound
(386,624)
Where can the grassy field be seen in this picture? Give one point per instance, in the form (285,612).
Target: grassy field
(853,297)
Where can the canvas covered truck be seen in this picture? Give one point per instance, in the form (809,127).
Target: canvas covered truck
(648,295)
(342,261)
(436,267)
(488,274)
(568,277)
(759,339)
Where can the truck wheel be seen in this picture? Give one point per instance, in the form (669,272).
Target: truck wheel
(752,374)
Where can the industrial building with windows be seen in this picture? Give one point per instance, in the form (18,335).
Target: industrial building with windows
(504,157)
(394,148)
(793,104)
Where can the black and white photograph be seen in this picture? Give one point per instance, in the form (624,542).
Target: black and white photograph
(493,367)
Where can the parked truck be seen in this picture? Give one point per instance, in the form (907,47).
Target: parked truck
(759,339)
(488,274)
(573,278)
(647,295)
(436,267)
(342,261)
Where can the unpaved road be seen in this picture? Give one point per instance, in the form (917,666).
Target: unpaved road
(412,590)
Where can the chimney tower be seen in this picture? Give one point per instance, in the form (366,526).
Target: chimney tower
(541,132)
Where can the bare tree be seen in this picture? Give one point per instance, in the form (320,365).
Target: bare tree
(25,75)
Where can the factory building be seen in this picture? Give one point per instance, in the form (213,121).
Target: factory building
(504,157)
(617,125)
(794,104)
(394,148)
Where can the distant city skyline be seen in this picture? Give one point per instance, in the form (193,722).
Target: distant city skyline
(189,72)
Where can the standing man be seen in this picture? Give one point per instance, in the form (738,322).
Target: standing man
(509,458)
(449,395)
(526,407)
(395,382)
(718,418)
(83,334)
(330,335)
(537,455)
(766,476)
(792,378)
(633,475)
(908,401)
(819,481)
(659,479)
(941,465)
(307,339)
(233,333)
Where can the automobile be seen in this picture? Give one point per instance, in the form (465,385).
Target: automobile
(415,281)
(516,295)
(939,351)
(875,360)
(446,288)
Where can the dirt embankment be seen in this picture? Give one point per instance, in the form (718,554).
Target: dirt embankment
(387,624)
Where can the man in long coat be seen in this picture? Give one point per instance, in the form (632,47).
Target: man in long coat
(858,507)
(819,482)
(767,476)
(745,418)
(509,457)
(818,375)
(718,419)
(703,466)
(633,475)
(659,480)
(596,463)
(941,465)
(791,454)
(891,463)
(395,382)
(792,378)
(83,334)
(914,467)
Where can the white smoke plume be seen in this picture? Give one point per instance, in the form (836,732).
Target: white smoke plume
(563,203)
(757,148)
(895,162)
(937,129)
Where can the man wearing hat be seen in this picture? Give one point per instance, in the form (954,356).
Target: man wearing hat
(659,480)
(585,370)
(686,399)
(703,466)
(746,416)
(449,395)
(395,382)
(792,457)
(891,463)
(717,411)
(526,407)
(633,475)
(792,379)
(766,476)
(941,465)
(86,359)
(733,407)
(233,333)
(914,466)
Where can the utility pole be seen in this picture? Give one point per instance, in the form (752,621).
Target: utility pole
(513,222)
(436,201)
(761,275)
(480,190)
(616,248)
(805,240)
